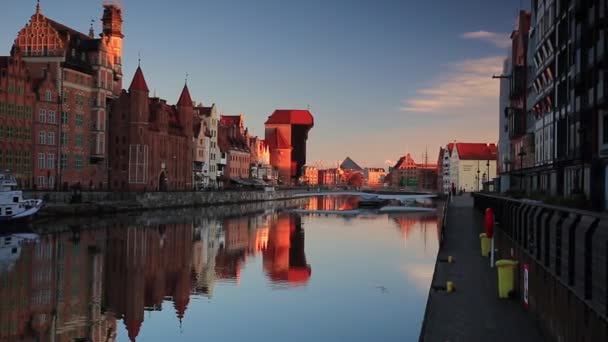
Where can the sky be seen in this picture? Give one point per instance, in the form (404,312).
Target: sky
(381,77)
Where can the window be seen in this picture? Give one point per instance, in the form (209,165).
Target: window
(41,160)
(49,96)
(42,138)
(42,115)
(50,138)
(64,138)
(64,118)
(51,117)
(78,162)
(79,120)
(63,161)
(51,182)
(50,161)
(79,139)
(41,182)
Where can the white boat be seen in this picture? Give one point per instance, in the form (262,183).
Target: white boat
(12,205)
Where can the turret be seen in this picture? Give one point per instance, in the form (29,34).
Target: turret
(186,111)
(138,91)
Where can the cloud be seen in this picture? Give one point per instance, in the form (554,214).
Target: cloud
(501,40)
(467,89)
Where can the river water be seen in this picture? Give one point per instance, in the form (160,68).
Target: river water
(246,273)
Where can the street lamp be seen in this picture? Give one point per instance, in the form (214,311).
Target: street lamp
(521,154)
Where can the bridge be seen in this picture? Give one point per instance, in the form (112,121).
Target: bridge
(400,196)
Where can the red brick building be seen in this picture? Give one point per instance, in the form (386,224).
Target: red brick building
(151,142)
(286,135)
(413,176)
(18,102)
(233,142)
(66,126)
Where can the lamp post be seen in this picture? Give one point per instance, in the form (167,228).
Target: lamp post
(477,178)
(521,154)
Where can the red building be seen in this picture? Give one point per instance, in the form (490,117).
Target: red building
(18,101)
(58,135)
(286,135)
(150,141)
(408,174)
(233,142)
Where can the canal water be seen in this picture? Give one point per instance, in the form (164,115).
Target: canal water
(263,274)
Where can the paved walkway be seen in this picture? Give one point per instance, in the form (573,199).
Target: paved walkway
(474,312)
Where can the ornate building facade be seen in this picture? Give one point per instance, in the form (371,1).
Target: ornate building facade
(75,77)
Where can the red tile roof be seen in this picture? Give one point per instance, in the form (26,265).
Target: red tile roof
(291,116)
(476,151)
(231,120)
(139,82)
(184,99)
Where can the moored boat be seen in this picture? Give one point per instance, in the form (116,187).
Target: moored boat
(12,205)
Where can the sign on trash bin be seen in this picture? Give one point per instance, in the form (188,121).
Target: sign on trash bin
(526,270)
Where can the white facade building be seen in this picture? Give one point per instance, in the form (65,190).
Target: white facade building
(471,165)
(209,120)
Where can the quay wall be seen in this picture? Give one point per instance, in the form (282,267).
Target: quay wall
(566,253)
(91,202)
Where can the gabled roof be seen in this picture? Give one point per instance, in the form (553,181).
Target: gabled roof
(476,151)
(404,162)
(291,117)
(184,99)
(231,120)
(139,82)
(67,30)
(349,164)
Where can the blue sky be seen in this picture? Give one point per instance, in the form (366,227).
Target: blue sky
(382,77)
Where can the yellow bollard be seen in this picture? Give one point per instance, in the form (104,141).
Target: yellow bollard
(506,272)
(485,244)
(449,287)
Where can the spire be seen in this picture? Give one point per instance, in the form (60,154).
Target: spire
(139,82)
(184,99)
(91,30)
(38,7)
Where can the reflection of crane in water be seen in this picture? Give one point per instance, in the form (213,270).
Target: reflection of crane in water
(284,257)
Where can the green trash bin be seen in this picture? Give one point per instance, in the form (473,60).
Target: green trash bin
(485,244)
(506,274)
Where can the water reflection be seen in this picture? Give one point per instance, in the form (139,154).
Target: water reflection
(122,281)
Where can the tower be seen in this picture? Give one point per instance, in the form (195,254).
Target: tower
(185,111)
(112,36)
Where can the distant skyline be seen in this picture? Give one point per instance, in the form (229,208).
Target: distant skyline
(383,78)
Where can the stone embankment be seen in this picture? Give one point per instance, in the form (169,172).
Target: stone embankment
(96,202)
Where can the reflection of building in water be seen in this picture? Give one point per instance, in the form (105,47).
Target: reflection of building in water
(284,258)
(232,254)
(279,238)
(147,265)
(406,222)
(206,245)
(54,291)
(333,203)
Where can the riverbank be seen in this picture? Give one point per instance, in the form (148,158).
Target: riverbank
(473,312)
(100,203)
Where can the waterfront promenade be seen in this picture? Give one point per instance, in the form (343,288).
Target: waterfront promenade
(473,312)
